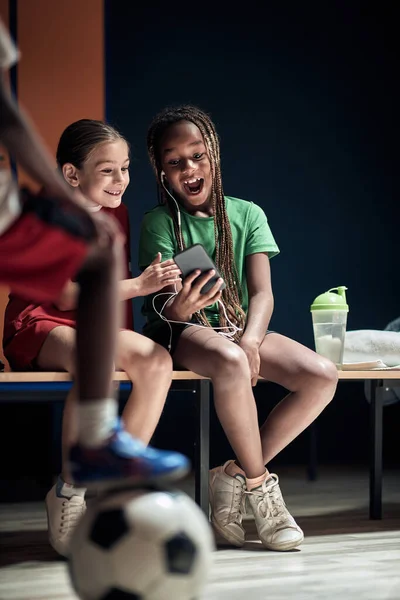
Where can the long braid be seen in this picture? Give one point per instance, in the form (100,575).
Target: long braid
(224,256)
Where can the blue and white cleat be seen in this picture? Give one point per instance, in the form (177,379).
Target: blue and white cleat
(125,460)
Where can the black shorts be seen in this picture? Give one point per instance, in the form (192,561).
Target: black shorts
(162,335)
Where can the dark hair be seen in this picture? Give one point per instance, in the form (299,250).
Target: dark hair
(224,256)
(80,138)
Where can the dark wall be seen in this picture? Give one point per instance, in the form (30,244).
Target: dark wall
(304,98)
(304,101)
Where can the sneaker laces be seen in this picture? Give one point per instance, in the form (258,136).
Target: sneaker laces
(270,503)
(72,509)
(238,503)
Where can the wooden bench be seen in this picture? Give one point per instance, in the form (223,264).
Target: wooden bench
(49,386)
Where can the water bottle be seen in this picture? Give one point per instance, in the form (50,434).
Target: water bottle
(329,316)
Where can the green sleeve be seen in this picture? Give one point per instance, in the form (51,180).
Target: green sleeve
(259,236)
(156,235)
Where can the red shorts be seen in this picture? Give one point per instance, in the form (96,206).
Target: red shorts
(43,249)
(26,327)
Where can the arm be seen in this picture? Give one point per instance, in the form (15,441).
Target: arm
(157,276)
(261,305)
(261,300)
(68,299)
(20,138)
(157,236)
(189,299)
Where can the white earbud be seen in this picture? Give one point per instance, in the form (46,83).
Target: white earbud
(163,180)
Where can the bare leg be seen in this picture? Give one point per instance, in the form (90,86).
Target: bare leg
(149,367)
(310,378)
(98,319)
(209,354)
(57,354)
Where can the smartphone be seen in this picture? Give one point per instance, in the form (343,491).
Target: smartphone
(196,258)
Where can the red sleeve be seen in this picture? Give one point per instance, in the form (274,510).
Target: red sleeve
(127,231)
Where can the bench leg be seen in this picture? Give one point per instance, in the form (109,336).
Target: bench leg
(375,479)
(312,452)
(202,444)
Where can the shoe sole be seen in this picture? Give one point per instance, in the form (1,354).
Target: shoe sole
(228,536)
(117,483)
(285,546)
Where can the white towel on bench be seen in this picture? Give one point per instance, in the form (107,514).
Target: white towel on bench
(368,365)
(370,345)
(370,349)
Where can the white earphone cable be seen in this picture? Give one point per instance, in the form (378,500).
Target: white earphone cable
(233,328)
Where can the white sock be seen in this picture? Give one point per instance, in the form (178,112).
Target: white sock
(67,490)
(96,421)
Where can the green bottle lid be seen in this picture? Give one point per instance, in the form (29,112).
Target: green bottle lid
(333,299)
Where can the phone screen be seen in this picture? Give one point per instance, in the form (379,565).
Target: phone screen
(194,258)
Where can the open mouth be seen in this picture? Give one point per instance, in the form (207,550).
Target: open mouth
(194,186)
(114,193)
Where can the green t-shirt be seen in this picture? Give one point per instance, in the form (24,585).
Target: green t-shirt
(250,233)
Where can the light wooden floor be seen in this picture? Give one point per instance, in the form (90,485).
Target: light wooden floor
(345,555)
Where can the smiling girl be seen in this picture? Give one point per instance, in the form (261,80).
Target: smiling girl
(94,160)
(184,151)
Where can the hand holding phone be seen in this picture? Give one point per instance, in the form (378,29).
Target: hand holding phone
(195,258)
(190,298)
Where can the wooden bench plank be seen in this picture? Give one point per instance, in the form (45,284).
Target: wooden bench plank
(381,374)
(53,376)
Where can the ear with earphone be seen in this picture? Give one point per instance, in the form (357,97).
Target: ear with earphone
(163,179)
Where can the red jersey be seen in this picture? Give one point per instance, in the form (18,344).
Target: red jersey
(27,325)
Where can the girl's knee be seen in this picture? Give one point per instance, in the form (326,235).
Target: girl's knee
(322,372)
(328,372)
(231,361)
(161,361)
(154,363)
(59,350)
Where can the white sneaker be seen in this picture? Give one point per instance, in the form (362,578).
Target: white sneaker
(226,501)
(247,512)
(276,527)
(63,515)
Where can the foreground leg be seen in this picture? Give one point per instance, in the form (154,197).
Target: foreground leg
(65,503)
(105,453)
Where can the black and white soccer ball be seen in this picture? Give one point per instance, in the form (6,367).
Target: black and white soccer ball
(141,545)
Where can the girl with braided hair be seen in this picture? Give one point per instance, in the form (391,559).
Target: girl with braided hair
(183,147)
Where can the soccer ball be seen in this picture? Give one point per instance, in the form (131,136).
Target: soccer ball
(142,544)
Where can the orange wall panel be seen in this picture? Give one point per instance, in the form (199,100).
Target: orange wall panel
(60,76)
